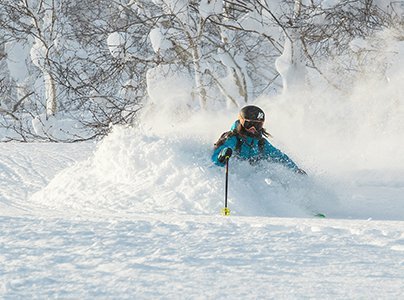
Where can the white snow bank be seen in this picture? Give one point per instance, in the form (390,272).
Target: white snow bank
(135,172)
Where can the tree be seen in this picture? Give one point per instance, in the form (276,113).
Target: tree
(91,63)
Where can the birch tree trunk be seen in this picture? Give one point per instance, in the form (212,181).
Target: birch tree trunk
(238,76)
(200,87)
(50,94)
(291,64)
(45,27)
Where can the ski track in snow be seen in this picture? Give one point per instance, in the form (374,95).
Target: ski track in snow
(55,249)
(201,257)
(27,168)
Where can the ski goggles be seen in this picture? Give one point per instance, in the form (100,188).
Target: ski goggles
(247,124)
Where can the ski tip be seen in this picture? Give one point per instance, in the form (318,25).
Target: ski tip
(319,215)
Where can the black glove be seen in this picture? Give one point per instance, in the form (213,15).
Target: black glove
(224,154)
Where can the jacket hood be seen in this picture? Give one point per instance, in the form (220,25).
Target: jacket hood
(235,124)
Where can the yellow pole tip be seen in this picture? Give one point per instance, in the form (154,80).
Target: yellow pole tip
(225,211)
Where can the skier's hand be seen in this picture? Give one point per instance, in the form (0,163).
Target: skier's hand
(224,154)
(301,172)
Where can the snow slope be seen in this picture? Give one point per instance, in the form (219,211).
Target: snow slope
(27,168)
(141,172)
(192,257)
(137,216)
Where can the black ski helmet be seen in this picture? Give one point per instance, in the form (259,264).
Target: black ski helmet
(252,113)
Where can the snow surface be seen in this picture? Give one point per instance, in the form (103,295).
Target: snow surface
(137,216)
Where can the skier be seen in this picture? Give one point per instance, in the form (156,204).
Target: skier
(247,139)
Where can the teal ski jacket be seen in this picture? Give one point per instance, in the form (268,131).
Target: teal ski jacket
(250,148)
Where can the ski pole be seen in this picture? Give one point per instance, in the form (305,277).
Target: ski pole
(226,210)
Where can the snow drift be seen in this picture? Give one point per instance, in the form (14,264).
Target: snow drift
(135,172)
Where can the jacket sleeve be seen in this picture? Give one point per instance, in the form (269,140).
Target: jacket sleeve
(229,143)
(274,154)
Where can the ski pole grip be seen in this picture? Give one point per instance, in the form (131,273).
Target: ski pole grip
(228,153)
(225,154)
